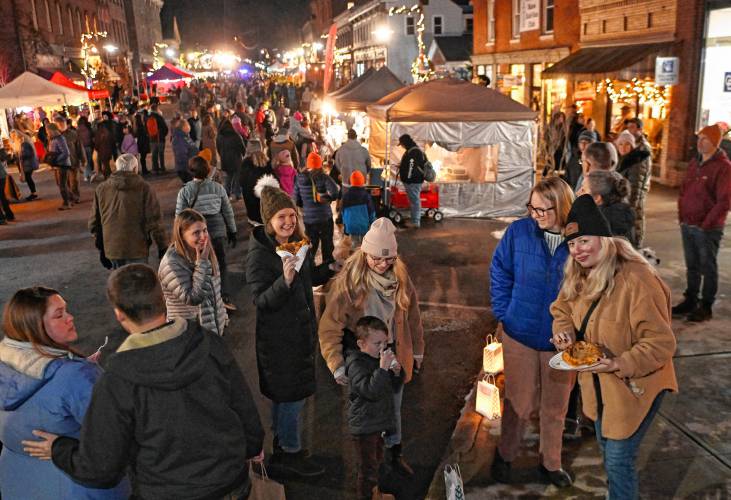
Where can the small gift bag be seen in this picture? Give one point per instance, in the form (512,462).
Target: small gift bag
(492,356)
(488,398)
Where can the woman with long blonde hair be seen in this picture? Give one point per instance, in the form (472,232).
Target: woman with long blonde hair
(375,282)
(614,299)
(190,276)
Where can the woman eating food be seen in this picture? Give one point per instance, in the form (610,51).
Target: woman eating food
(613,299)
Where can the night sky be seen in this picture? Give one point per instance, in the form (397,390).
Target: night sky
(213,23)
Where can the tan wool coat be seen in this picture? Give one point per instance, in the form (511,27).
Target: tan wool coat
(341,313)
(632,323)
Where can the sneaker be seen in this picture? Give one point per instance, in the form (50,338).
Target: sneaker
(559,478)
(298,464)
(500,470)
(65,207)
(686,307)
(31,197)
(93,177)
(702,313)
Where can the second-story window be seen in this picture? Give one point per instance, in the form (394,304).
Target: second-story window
(34,14)
(410,26)
(438,26)
(549,8)
(490,20)
(469,25)
(60,18)
(516,19)
(49,24)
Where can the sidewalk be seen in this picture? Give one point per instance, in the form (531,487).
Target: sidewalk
(687,452)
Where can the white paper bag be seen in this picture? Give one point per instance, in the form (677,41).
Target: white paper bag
(301,254)
(453,482)
(492,356)
(487,403)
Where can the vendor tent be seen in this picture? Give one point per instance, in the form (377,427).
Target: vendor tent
(352,84)
(380,83)
(60,79)
(479,135)
(32,90)
(169,72)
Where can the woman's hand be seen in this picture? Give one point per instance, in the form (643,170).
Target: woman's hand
(202,254)
(563,340)
(289,269)
(40,449)
(606,365)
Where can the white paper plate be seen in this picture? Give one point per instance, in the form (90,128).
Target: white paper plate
(301,254)
(557,363)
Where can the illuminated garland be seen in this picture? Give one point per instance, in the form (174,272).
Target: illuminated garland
(88,70)
(637,89)
(422,69)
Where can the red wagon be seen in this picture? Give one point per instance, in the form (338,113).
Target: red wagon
(398,201)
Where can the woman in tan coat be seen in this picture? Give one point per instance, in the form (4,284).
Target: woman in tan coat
(375,282)
(613,298)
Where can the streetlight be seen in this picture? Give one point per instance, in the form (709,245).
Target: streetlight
(111,49)
(383,34)
(170,52)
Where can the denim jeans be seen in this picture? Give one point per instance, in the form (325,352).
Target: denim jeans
(620,455)
(158,156)
(394,438)
(322,232)
(89,156)
(700,247)
(231,182)
(413,191)
(117,263)
(287,424)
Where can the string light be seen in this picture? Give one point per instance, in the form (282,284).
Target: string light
(89,71)
(422,69)
(644,91)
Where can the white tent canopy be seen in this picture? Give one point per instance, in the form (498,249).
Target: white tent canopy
(32,90)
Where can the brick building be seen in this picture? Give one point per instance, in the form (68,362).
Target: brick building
(145,30)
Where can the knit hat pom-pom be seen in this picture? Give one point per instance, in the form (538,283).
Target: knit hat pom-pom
(265,181)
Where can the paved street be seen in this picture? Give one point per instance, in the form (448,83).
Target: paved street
(687,454)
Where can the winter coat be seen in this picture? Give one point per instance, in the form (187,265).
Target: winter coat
(621,220)
(183,148)
(86,135)
(286,328)
(706,192)
(28,157)
(633,322)
(60,150)
(358,211)
(212,202)
(172,405)
(51,394)
(341,314)
(286,175)
(370,405)
(351,157)
(129,145)
(231,148)
(524,280)
(76,149)
(250,175)
(143,138)
(288,144)
(208,141)
(104,140)
(315,212)
(635,166)
(195,128)
(162,127)
(192,291)
(411,167)
(126,216)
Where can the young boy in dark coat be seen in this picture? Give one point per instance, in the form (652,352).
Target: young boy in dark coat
(374,375)
(358,211)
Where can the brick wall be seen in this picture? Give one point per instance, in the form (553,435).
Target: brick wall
(603,20)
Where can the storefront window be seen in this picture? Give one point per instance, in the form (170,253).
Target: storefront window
(516,81)
(716,78)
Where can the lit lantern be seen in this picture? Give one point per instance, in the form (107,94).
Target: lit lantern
(488,398)
(492,356)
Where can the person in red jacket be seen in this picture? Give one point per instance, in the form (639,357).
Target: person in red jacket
(702,208)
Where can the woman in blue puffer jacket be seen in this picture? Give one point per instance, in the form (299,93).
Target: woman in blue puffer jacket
(525,278)
(43,385)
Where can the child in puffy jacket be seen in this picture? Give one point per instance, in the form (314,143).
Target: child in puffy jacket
(358,210)
(285,172)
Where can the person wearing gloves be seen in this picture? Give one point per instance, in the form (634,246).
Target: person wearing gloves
(525,277)
(612,297)
(190,276)
(314,191)
(209,198)
(375,282)
(285,172)
(634,164)
(358,210)
(286,327)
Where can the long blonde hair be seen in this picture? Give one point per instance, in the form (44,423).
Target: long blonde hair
(591,283)
(356,281)
(183,221)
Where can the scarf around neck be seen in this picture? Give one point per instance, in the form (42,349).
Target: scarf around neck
(381,300)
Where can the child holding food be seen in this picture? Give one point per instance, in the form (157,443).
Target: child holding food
(286,327)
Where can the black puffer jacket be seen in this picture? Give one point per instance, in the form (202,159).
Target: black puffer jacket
(621,220)
(412,166)
(370,408)
(231,147)
(286,328)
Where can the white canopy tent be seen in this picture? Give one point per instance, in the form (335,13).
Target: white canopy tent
(32,90)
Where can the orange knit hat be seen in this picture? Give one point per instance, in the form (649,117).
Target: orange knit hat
(713,133)
(314,161)
(357,179)
(206,154)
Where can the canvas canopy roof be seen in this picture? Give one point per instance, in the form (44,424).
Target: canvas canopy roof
(60,79)
(448,100)
(368,91)
(353,83)
(169,72)
(32,90)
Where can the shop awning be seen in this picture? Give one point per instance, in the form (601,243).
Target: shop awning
(603,61)
(60,79)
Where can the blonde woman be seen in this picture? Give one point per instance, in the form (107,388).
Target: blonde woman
(375,282)
(525,277)
(613,298)
(190,276)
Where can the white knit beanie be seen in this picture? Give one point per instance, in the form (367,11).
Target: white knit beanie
(380,240)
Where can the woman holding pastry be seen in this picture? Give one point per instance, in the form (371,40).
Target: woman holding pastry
(286,328)
(617,302)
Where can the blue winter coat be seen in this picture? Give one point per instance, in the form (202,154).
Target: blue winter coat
(524,280)
(358,211)
(56,402)
(183,149)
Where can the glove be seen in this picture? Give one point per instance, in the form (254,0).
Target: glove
(232,239)
(103,259)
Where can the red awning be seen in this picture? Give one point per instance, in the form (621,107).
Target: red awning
(59,79)
(179,71)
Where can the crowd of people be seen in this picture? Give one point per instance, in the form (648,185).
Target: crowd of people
(102,426)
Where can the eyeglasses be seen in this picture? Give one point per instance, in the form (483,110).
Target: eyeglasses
(382,260)
(540,212)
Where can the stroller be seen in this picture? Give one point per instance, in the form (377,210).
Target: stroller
(396,202)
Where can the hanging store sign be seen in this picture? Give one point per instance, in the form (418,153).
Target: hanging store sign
(667,70)
(530,15)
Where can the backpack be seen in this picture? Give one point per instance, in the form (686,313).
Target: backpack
(428,171)
(152,129)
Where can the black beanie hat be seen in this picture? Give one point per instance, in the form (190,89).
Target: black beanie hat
(585,219)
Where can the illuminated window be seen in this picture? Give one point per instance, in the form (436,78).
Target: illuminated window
(490,20)
(516,19)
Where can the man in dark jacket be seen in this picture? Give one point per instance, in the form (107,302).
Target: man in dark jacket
(172,405)
(76,155)
(411,173)
(157,130)
(702,209)
(231,149)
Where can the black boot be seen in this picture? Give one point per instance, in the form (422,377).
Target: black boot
(702,313)
(559,478)
(285,465)
(394,457)
(500,470)
(688,306)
